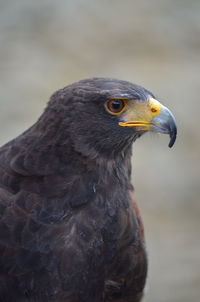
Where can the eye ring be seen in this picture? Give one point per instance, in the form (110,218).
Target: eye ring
(115,106)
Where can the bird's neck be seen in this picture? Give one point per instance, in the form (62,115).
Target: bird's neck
(44,152)
(101,180)
(58,171)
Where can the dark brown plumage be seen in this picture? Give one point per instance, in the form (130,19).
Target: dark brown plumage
(70,229)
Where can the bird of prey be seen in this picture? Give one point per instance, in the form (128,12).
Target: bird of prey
(70,229)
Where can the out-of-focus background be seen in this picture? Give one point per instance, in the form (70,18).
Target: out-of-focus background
(48,44)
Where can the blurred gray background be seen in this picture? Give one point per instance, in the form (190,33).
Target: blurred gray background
(48,44)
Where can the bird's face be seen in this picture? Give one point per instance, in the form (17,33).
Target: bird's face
(143,115)
(107,115)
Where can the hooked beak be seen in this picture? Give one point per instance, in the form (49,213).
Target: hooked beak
(152,116)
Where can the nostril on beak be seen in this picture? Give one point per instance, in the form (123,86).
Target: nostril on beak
(154,110)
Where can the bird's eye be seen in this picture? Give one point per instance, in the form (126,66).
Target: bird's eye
(115,106)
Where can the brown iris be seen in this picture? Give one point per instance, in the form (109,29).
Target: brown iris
(115,106)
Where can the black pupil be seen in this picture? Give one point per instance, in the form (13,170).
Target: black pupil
(116,105)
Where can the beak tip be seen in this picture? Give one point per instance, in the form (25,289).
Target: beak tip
(172,139)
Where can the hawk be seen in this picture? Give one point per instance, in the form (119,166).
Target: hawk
(70,229)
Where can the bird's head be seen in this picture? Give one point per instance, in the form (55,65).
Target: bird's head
(104,116)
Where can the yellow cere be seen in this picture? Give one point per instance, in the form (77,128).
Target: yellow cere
(154,106)
(140,114)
